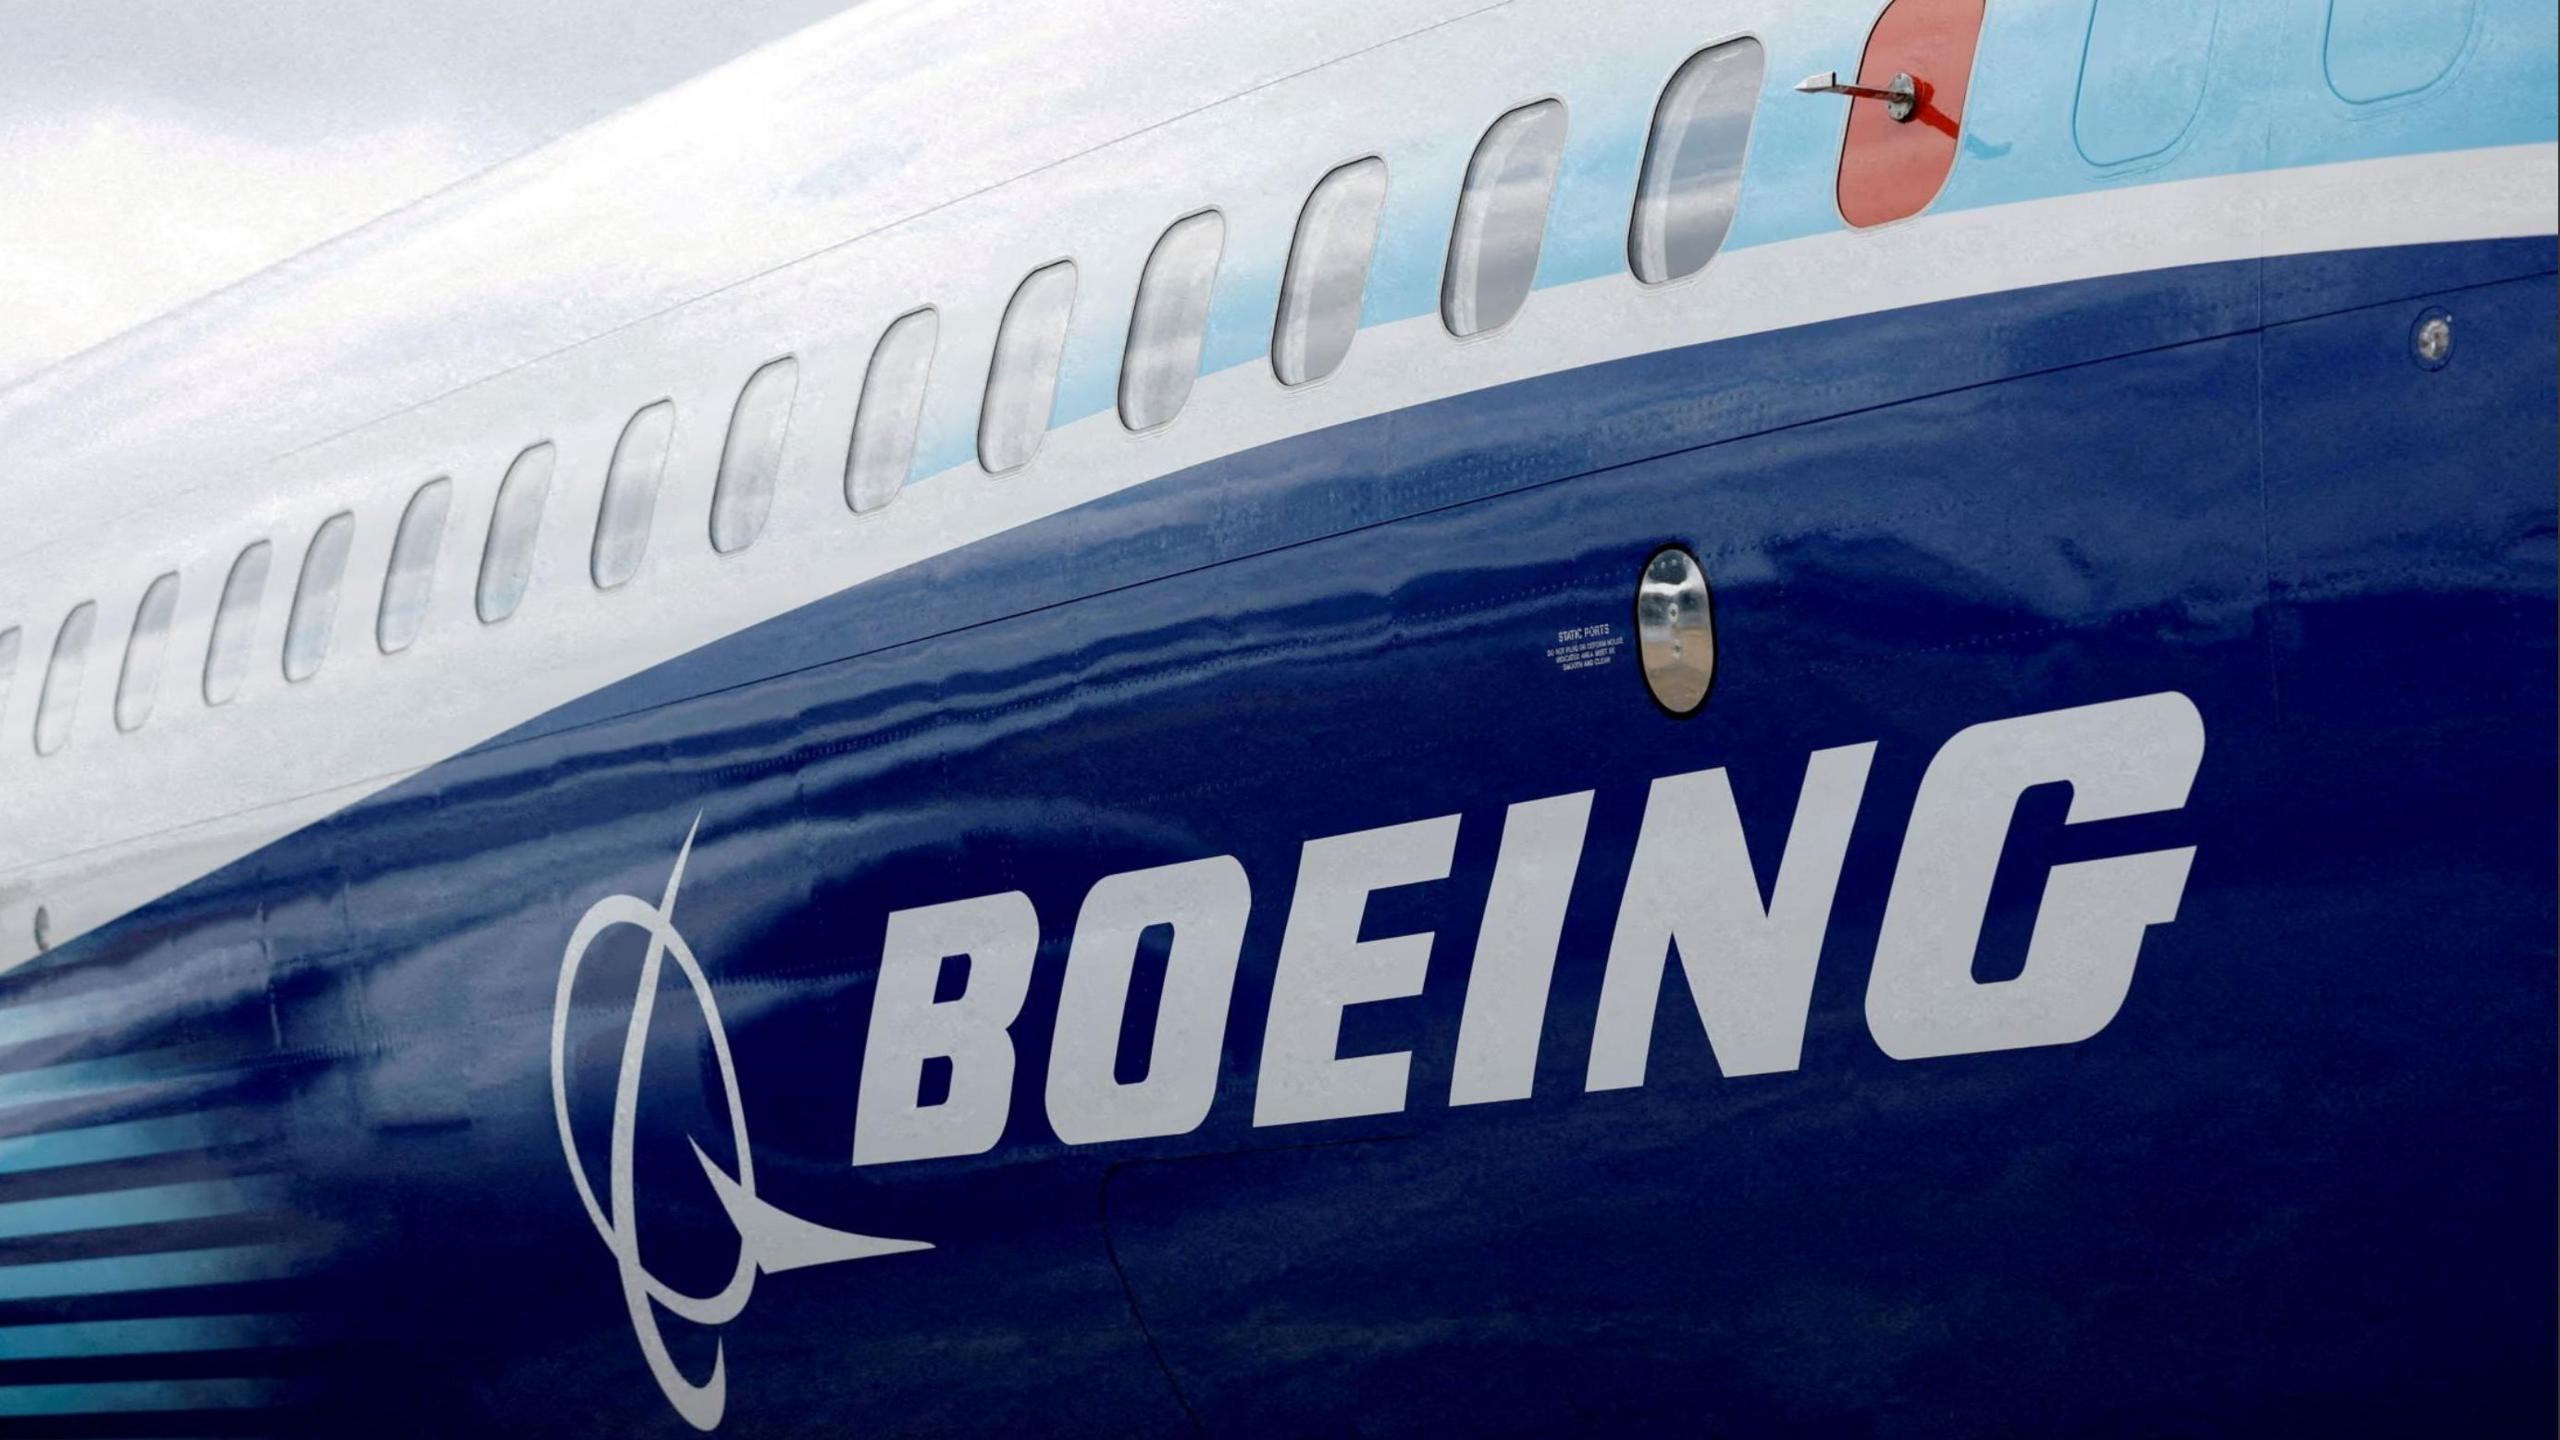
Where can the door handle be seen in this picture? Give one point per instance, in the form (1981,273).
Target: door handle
(1901,98)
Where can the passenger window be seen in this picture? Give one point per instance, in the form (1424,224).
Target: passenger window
(892,404)
(506,562)
(1692,177)
(1502,219)
(1023,381)
(411,578)
(235,624)
(138,684)
(1328,274)
(752,459)
(1171,321)
(60,702)
(631,495)
(315,598)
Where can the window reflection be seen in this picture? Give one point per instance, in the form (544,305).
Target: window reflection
(506,563)
(630,495)
(1023,381)
(892,406)
(59,704)
(751,461)
(409,582)
(315,599)
(1692,178)
(138,683)
(1171,321)
(1502,219)
(235,624)
(1328,274)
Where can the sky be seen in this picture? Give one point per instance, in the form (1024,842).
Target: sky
(152,151)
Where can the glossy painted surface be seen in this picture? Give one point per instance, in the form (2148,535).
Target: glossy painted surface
(2143,74)
(169,460)
(789,931)
(2299,1170)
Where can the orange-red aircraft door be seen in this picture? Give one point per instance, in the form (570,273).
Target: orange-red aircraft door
(1891,169)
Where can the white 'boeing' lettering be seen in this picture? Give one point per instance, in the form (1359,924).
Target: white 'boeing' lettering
(1690,890)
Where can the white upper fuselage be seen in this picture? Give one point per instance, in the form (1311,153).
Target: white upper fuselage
(908,153)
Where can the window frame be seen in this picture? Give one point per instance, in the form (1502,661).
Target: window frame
(1289,271)
(1645,163)
(1047,385)
(529,515)
(60,693)
(865,420)
(312,620)
(624,496)
(237,610)
(1537,254)
(392,571)
(746,458)
(1198,335)
(142,701)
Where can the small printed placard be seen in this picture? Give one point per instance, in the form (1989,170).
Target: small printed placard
(1584,646)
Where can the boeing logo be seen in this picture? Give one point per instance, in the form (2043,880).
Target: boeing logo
(1691,897)
(769,1241)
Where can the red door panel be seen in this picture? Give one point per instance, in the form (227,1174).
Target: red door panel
(1889,168)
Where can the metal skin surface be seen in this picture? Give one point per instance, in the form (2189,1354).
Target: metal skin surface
(811,935)
(537,310)
(2302,1181)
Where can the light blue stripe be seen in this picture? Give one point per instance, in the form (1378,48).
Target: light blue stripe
(142,1205)
(91,1144)
(128,1395)
(21,1023)
(98,1077)
(168,1270)
(2267,105)
(158,1336)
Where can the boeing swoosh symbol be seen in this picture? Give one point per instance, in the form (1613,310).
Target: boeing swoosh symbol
(770,1241)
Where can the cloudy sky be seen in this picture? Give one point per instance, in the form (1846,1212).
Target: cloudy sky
(154,150)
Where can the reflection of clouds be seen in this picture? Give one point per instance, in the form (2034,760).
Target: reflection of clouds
(176,147)
(1502,218)
(410,580)
(138,684)
(1328,272)
(884,427)
(1692,178)
(848,130)
(1022,382)
(119,215)
(1170,321)
(286,70)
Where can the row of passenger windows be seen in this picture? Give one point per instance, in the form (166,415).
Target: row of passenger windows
(1684,204)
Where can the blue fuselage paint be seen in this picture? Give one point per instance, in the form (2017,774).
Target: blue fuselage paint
(2302,1181)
